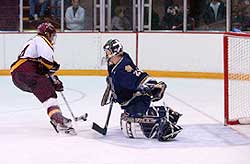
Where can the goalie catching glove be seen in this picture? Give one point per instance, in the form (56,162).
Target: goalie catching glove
(153,89)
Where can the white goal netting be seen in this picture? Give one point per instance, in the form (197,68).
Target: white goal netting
(238,79)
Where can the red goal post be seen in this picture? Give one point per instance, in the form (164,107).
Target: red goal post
(236,78)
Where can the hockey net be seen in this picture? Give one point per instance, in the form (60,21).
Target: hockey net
(237,78)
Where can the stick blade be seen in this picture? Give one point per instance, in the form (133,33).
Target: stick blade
(82,118)
(99,129)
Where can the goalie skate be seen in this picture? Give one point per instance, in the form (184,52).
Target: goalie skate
(167,130)
(176,130)
(65,127)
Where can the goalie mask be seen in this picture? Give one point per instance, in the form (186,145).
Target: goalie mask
(112,47)
(47,30)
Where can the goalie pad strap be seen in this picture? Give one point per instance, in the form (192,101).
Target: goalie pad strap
(132,130)
(139,127)
(145,119)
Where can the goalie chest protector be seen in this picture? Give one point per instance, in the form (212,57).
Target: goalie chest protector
(126,77)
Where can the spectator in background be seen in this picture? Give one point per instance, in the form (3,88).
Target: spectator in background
(32,13)
(172,19)
(241,15)
(240,20)
(215,11)
(56,7)
(119,21)
(168,3)
(74,16)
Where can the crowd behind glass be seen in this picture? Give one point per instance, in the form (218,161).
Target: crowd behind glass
(137,15)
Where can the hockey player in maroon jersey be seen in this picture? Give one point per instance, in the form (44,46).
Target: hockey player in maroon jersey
(34,70)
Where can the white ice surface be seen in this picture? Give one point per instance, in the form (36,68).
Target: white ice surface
(26,137)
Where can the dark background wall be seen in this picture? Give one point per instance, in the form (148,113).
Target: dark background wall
(9,20)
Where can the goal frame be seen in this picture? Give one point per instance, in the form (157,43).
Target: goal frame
(227,120)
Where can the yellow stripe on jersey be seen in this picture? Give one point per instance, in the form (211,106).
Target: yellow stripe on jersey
(47,41)
(46,63)
(17,64)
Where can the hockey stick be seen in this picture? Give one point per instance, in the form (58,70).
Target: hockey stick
(83,117)
(99,129)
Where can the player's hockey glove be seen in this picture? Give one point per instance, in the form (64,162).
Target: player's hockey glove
(42,69)
(55,67)
(58,85)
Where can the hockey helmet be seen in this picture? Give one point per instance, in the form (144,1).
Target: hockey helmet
(45,29)
(114,46)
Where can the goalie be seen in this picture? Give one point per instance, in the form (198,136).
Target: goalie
(134,90)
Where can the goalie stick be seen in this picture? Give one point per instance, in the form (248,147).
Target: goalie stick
(99,129)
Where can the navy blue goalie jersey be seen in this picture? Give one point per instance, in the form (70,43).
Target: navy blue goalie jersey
(126,78)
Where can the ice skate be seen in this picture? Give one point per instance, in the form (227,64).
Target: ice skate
(167,130)
(177,130)
(65,126)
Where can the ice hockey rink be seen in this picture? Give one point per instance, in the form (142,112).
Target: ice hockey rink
(26,136)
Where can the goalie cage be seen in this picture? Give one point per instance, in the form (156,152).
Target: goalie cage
(236,78)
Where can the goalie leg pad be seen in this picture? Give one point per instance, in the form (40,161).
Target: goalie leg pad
(131,129)
(167,130)
(139,127)
(149,127)
(163,111)
(173,115)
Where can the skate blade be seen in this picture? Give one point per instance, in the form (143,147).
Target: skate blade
(70,131)
(172,135)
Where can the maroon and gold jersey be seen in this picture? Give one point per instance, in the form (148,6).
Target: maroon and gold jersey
(37,50)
